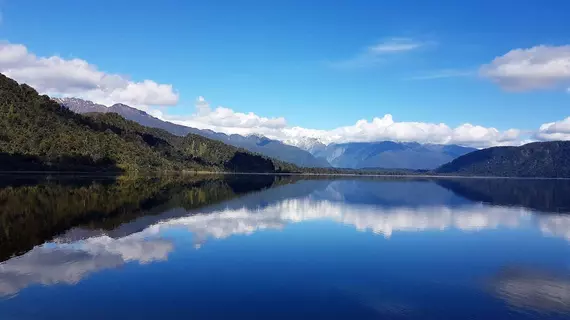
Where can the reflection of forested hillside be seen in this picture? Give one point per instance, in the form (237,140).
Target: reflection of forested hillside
(541,195)
(31,214)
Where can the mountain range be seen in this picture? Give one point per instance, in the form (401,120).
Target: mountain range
(307,152)
(258,144)
(388,154)
(39,134)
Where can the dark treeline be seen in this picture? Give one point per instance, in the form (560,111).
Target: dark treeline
(31,214)
(538,159)
(546,195)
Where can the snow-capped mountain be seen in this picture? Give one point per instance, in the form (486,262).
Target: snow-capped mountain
(81,106)
(307,143)
(303,151)
(381,154)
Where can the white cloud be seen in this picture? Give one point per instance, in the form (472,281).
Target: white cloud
(378,129)
(377,53)
(559,130)
(395,45)
(386,128)
(77,78)
(529,69)
(226,120)
(442,74)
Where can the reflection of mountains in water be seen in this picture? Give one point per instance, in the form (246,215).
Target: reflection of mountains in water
(33,213)
(224,222)
(209,208)
(545,195)
(122,222)
(124,207)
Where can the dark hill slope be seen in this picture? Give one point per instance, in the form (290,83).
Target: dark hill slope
(538,159)
(37,133)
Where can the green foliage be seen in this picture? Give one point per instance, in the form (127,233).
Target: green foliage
(539,159)
(36,133)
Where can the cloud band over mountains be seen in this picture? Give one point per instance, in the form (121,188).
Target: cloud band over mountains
(520,69)
(75,77)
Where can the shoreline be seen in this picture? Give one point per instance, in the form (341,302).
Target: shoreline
(352,175)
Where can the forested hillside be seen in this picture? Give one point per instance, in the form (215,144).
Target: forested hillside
(261,145)
(539,159)
(37,133)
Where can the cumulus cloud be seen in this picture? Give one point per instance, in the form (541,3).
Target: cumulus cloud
(372,55)
(559,130)
(530,69)
(226,120)
(77,78)
(386,128)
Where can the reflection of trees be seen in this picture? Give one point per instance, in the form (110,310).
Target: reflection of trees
(31,214)
(537,194)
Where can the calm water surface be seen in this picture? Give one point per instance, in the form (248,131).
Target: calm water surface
(263,247)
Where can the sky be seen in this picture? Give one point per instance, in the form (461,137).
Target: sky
(479,73)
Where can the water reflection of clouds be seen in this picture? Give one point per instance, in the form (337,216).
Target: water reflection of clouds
(55,263)
(533,290)
(556,225)
(69,262)
(380,220)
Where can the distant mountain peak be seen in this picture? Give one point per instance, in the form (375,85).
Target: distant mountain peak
(80,105)
(305,143)
(121,105)
(257,135)
(383,154)
(124,107)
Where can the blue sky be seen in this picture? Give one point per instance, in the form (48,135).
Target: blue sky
(318,64)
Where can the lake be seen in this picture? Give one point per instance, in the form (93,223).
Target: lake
(284,247)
